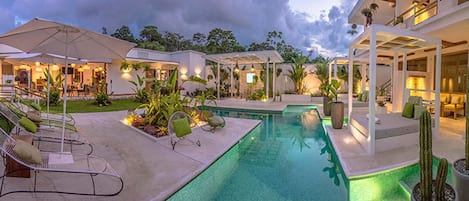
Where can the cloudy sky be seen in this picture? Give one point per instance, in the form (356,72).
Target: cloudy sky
(320,25)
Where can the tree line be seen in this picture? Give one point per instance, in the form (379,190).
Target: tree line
(216,41)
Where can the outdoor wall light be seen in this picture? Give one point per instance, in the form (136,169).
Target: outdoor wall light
(86,67)
(55,67)
(252,68)
(37,63)
(72,65)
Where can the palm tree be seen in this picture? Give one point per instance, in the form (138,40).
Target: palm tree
(298,73)
(322,71)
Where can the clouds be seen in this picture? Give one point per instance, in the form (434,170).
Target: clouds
(250,20)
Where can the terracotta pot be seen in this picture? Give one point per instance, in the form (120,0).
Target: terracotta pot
(337,114)
(326,106)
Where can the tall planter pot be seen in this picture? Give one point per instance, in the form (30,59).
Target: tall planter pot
(461,179)
(326,106)
(337,114)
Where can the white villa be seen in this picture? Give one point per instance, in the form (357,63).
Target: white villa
(426,45)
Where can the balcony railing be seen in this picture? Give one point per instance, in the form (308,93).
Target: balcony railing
(416,14)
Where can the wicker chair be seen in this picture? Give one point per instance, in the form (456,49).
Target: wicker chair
(171,129)
(84,165)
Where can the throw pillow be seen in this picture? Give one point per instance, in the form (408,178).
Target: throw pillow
(28,125)
(408,111)
(418,109)
(181,127)
(455,99)
(35,106)
(27,152)
(33,116)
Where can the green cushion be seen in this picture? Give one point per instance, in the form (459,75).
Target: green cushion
(35,106)
(216,121)
(418,109)
(28,125)
(181,127)
(27,152)
(416,100)
(408,110)
(34,116)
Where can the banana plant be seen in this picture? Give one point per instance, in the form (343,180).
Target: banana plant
(141,94)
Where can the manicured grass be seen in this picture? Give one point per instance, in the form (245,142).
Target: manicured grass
(83,106)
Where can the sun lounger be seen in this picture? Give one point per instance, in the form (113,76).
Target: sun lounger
(44,134)
(94,168)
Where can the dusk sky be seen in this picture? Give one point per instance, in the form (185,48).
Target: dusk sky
(320,25)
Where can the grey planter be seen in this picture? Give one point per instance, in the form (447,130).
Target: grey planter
(461,180)
(337,114)
(450,194)
(326,106)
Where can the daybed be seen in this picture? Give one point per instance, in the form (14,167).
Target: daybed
(392,131)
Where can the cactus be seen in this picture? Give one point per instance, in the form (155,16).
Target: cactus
(441,179)
(425,156)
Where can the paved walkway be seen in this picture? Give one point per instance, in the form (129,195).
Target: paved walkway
(150,168)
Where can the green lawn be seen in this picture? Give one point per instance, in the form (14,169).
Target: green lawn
(83,106)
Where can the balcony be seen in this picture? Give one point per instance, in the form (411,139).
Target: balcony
(416,14)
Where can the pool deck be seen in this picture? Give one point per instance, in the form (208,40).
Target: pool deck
(153,171)
(357,162)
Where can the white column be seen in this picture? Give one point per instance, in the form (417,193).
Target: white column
(274,77)
(218,81)
(330,72)
(364,73)
(403,81)
(350,80)
(395,83)
(372,100)
(231,81)
(267,79)
(335,69)
(437,90)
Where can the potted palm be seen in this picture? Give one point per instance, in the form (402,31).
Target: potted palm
(322,74)
(337,107)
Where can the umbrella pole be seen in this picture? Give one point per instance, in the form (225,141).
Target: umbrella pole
(65,92)
(48,89)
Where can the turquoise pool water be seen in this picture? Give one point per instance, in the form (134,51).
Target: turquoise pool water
(287,157)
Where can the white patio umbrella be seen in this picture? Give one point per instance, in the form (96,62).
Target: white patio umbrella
(39,35)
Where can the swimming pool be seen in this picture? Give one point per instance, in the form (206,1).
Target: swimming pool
(287,157)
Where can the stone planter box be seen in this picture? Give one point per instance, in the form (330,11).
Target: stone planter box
(295,98)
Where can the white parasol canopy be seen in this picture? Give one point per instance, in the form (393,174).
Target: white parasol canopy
(43,36)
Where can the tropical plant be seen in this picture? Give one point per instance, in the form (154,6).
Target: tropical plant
(330,90)
(164,100)
(368,13)
(54,85)
(136,66)
(298,73)
(101,96)
(141,95)
(424,189)
(322,71)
